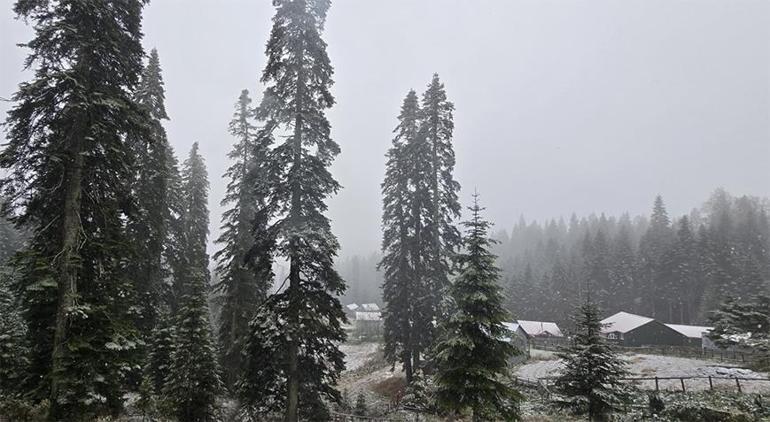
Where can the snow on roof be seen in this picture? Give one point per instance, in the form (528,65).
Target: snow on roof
(539,328)
(370,307)
(691,331)
(352,307)
(368,316)
(623,322)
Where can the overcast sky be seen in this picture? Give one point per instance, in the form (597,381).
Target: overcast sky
(561,105)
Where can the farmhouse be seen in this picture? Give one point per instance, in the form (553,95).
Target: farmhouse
(694,334)
(635,330)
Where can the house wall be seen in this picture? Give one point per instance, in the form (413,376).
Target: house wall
(653,334)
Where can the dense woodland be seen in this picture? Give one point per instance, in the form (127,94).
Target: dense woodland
(108,304)
(643,264)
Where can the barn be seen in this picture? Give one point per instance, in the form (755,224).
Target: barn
(540,329)
(368,321)
(694,334)
(633,330)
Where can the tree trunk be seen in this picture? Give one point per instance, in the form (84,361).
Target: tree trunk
(67,262)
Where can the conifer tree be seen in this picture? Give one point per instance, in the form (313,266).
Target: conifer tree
(13,342)
(744,323)
(441,236)
(148,229)
(473,354)
(685,272)
(193,383)
(301,364)
(68,173)
(360,408)
(245,260)
(401,282)
(655,263)
(591,379)
(161,348)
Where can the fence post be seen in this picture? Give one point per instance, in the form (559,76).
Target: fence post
(656,384)
(738,384)
(682,380)
(711,384)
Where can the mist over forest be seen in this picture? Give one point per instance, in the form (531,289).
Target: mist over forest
(351,211)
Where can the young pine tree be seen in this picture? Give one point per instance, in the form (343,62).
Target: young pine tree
(245,260)
(300,365)
(400,279)
(472,354)
(68,170)
(591,379)
(193,383)
(161,348)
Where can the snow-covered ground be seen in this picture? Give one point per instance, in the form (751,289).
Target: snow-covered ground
(356,355)
(664,366)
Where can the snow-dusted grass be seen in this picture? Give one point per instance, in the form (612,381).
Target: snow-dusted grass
(662,367)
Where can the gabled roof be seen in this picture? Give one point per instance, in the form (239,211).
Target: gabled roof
(352,307)
(370,307)
(691,331)
(624,322)
(539,328)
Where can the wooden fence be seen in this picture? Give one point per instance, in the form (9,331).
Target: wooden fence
(546,384)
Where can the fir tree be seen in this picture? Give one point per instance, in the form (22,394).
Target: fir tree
(400,279)
(13,342)
(69,170)
(472,355)
(655,263)
(149,225)
(441,237)
(744,323)
(161,348)
(245,260)
(193,383)
(299,366)
(591,378)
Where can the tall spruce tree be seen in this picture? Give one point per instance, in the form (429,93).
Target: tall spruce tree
(193,383)
(148,228)
(69,169)
(441,236)
(401,282)
(245,260)
(591,379)
(300,366)
(655,263)
(473,353)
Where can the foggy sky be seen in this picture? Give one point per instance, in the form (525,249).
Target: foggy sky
(561,105)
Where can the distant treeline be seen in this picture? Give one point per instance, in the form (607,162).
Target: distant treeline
(676,269)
